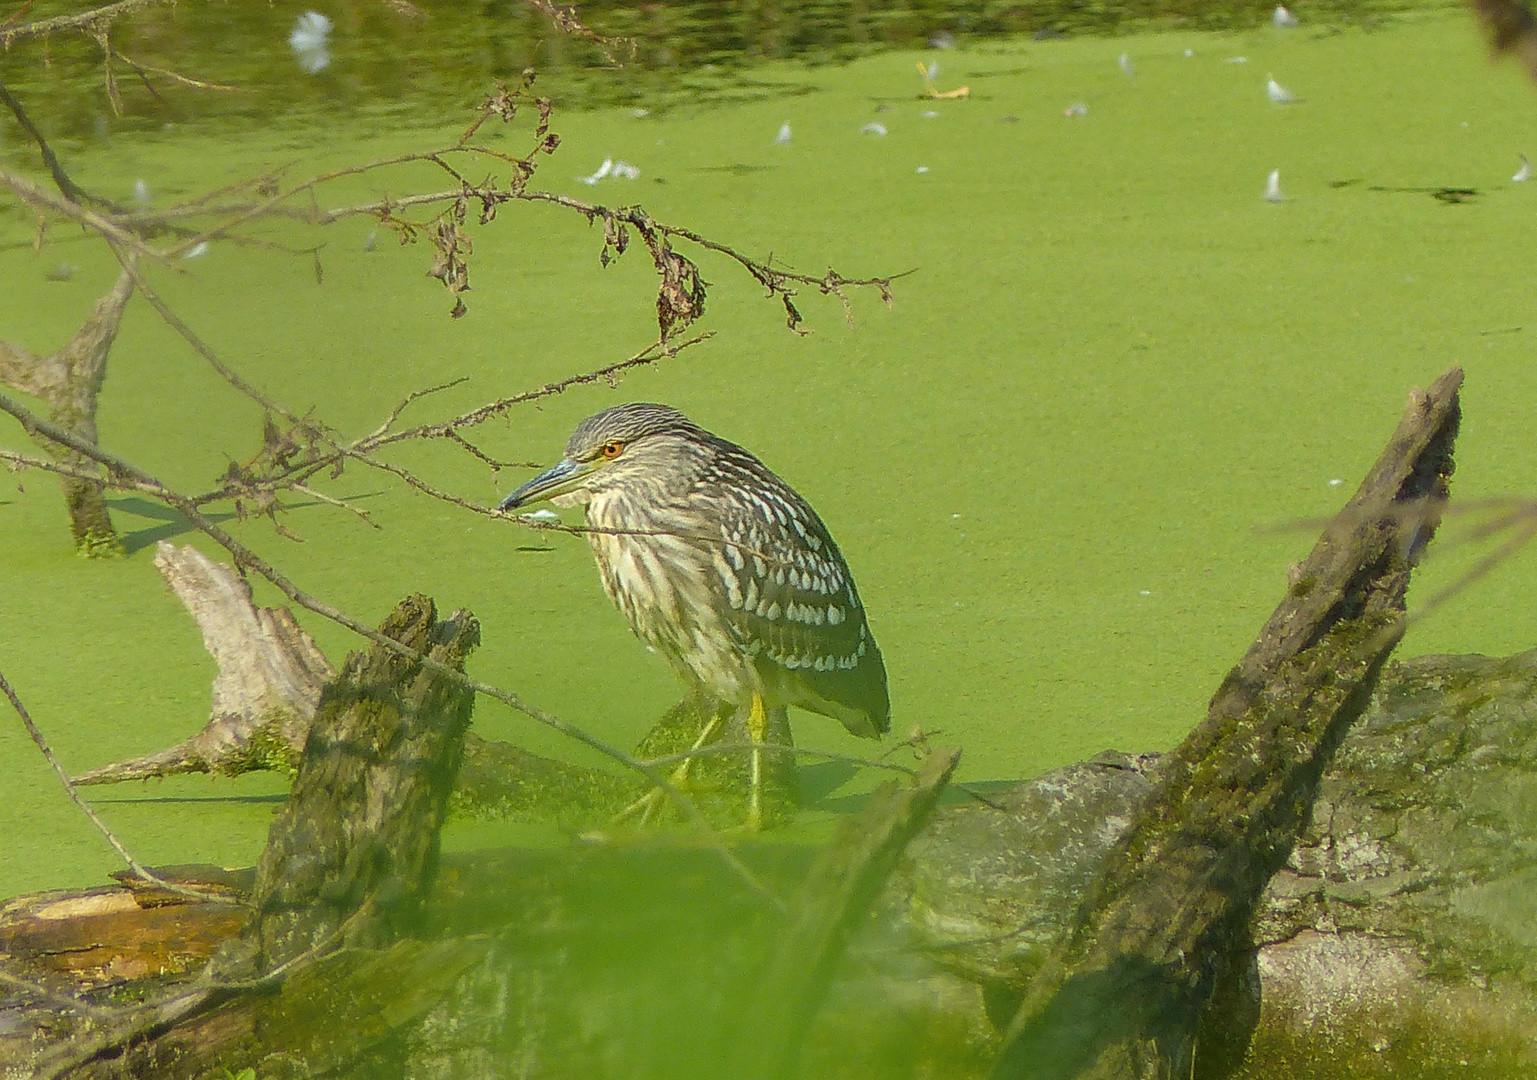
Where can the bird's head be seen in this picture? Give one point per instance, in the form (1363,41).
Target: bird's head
(616,448)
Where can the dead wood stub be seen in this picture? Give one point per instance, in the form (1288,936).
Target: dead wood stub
(361,826)
(70,382)
(1123,994)
(269,680)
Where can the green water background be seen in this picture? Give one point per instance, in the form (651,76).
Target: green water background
(1055,465)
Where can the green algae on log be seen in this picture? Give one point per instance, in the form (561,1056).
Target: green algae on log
(361,826)
(1126,989)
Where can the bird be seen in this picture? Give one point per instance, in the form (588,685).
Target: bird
(722,568)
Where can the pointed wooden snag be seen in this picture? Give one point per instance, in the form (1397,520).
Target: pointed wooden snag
(360,829)
(1124,992)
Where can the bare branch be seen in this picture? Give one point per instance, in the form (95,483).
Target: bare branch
(85,21)
(88,810)
(40,199)
(67,187)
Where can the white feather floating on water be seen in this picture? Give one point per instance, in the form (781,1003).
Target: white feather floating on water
(1077,109)
(1283,19)
(784,134)
(1524,173)
(1273,187)
(197,250)
(310,42)
(873,128)
(542,517)
(1125,62)
(1278,93)
(141,192)
(611,169)
(1236,60)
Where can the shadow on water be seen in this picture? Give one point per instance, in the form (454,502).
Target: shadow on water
(173,523)
(173,800)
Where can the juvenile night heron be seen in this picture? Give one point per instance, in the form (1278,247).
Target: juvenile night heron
(722,568)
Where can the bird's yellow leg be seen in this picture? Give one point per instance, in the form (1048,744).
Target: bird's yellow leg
(646,805)
(757,730)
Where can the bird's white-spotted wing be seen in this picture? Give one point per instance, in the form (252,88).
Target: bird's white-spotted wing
(791,600)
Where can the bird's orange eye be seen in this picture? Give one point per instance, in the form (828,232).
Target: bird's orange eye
(612,450)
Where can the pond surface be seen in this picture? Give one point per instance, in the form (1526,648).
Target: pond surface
(1056,465)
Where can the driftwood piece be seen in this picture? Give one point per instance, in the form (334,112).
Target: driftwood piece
(360,829)
(269,680)
(1123,994)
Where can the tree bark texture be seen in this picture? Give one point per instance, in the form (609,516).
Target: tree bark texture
(360,828)
(1124,993)
(70,382)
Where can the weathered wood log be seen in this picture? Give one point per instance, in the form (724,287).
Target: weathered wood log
(360,829)
(1124,993)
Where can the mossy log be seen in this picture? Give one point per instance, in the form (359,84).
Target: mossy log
(1155,943)
(316,974)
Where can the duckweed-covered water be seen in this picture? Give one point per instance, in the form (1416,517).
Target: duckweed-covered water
(1055,465)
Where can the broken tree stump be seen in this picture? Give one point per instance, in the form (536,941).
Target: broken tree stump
(1123,994)
(360,829)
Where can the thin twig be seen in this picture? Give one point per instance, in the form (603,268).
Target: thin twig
(61,179)
(40,199)
(85,21)
(86,808)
